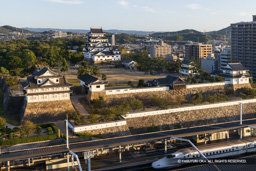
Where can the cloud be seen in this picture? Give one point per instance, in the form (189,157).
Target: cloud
(193,6)
(123,3)
(149,9)
(75,2)
(244,14)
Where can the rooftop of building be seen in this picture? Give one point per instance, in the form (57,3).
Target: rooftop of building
(236,67)
(88,79)
(96,30)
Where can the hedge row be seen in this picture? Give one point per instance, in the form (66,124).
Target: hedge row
(17,140)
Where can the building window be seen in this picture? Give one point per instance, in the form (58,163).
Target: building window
(57,80)
(97,86)
(39,81)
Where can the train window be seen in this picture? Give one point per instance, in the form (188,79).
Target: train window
(170,156)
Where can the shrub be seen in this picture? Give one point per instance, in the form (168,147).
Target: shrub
(153,128)
(11,80)
(28,127)
(2,122)
(177,126)
(136,104)
(161,103)
(229,91)
(38,130)
(197,98)
(141,83)
(93,118)
(99,103)
(49,131)
(216,98)
(246,93)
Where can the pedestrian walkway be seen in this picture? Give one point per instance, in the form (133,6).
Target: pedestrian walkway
(78,106)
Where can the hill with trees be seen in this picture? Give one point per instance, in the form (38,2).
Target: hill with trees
(183,35)
(7,29)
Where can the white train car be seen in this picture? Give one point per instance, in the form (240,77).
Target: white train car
(211,151)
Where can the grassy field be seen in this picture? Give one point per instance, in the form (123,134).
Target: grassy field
(11,119)
(74,81)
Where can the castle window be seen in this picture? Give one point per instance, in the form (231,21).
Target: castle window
(57,80)
(39,81)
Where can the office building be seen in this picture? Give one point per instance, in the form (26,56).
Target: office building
(197,51)
(243,46)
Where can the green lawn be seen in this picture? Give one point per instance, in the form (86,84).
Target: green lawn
(75,82)
(11,119)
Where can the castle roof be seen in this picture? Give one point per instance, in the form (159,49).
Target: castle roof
(31,83)
(88,79)
(96,30)
(236,67)
(45,72)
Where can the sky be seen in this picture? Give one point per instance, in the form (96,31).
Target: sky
(145,15)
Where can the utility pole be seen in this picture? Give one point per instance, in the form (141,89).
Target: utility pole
(67,140)
(241,120)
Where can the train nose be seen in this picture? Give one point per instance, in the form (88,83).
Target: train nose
(156,165)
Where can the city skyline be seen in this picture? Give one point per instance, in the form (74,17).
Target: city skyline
(144,15)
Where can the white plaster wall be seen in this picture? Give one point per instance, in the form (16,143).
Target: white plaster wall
(96,88)
(48,97)
(124,91)
(96,126)
(205,85)
(182,109)
(47,89)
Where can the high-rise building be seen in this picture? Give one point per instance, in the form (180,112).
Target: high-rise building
(197,51)
(113,40)
(243,46)
(162,50)
(225,58)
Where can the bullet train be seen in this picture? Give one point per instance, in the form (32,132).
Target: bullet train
(211,151)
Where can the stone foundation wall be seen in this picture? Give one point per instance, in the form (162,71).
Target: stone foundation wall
(168,94)
(191,118)
(112,131)
(237,86)
(43,112)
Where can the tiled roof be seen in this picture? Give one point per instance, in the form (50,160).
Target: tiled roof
(187,62)
(168,80)
(237,66)
(88,79)
(96,30)
(42,71)
(32,83)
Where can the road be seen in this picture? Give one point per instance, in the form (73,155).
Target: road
(105,143)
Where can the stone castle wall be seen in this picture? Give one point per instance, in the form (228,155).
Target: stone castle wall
(237,86)
(43,112)
(191,118)
(172,94)
(111,131)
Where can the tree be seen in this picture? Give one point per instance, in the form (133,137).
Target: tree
(2,122)
(141,83)
(136,104)
(104,77)
(95,70)
(197,98)
(64,66)
(82,71)
(84,64)
(3,70)
(28,127)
